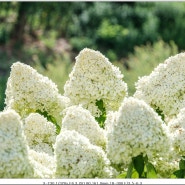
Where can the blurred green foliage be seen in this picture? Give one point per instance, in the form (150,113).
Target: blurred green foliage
(118,26)
(141,62)
(58,71)
(130,34)
(144,59)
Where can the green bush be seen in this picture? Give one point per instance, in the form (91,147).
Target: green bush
(116,26)
(79,43)
(145,59)
(171,24)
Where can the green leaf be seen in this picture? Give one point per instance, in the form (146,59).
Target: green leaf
(151,172)
(122,175)
(51,119)
(101,119)
(135,174)
(172,176)
(160,113)
(179,173)
(138,163)
(182,164)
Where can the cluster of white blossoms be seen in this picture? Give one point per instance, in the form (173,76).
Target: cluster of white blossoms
(76,157)
(135,129)
(46,135)
(44,164)
(40,133)
(165,166)
(164,88)
(28,91)
(14,160)
(79,119)
(177,131)
(94,78)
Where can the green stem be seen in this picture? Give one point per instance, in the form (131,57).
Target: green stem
(129,171)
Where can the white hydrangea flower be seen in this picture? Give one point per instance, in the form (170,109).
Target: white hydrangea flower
(135,129)
(40,133)
(44,164)
(164,88)
(177,130)
(14,160)
(76,157)
(165,166)
(79,119)
(110,121)
(94,78)
(28,91)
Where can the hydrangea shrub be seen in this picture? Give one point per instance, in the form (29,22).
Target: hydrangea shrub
(94,130)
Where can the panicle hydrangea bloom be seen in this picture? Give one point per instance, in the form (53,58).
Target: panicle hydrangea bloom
(135,129)
(177,130)
(76,157)
(14,160)
(28,91)
(79,119)
(44,164)
(165,166)
(110,121)
(94,78)
(40,133)
(164,88)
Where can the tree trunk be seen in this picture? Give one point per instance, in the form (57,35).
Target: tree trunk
(17,33)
